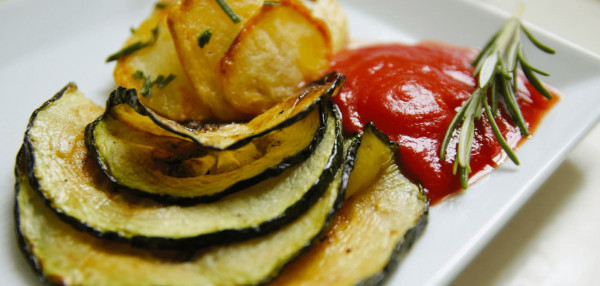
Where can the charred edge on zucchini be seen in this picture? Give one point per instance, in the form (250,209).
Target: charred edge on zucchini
(30,160)
(348,166)
(129,96)
(399,252)
(25,154)
(186,201)
(316,191)
(385,205)
(37,262)
(20,166)
(410,236)
(293,211)
(343,177)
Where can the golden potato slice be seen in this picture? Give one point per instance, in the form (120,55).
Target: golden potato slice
(330,12)
(280,49)
(177,99)
(190,20)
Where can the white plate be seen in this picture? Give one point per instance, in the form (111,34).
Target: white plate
(45,44)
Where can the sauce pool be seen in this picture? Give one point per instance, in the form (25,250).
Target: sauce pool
(412,92)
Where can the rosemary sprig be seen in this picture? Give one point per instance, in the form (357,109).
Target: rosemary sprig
(161,81)
(135,46)
(496,72)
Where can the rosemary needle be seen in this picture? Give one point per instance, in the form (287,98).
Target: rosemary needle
(227,9)
(135,46)
(496,72)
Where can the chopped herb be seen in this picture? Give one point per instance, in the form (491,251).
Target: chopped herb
(204,38)
(161,81)
(126,50)
(161,5)
(232,15)
(147,86)
(132,30)
(155,32)
(271,3)
(138,74)
(135,46)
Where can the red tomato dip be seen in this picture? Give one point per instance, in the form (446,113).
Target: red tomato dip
(412,92)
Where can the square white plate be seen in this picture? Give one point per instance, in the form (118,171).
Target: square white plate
(45,44)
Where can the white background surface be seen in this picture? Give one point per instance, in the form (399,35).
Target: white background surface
(551,241)
(554,239)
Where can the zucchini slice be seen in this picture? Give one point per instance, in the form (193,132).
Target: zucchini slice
(125,105)
(377,224)
(63,255)
(72,184)
(143,169)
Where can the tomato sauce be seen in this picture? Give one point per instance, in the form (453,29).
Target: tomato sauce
(412,92)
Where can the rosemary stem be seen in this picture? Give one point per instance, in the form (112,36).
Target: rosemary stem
(496,70)
(227,9)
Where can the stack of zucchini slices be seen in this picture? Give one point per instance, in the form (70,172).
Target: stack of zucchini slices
(123,196)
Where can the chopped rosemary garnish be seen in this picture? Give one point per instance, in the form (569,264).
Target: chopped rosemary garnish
(139,74)
(161,5)
(232,15)
(161,81)
(204,38)
(135,46)
(496,72)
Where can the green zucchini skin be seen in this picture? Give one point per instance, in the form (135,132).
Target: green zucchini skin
(381,205)
(411,236)
(49,274)
(400,251)
(332,84)
(27,144)
(342,177)
(234,234)
(270,172)
(20,163)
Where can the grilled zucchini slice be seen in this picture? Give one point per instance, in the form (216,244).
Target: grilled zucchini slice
(63,255)
(150,170)
(62,171)
(379,221)
(125,105)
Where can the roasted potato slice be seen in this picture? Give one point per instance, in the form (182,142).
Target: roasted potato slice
(177,99)
(330,12)
(280,49)
(190,20)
